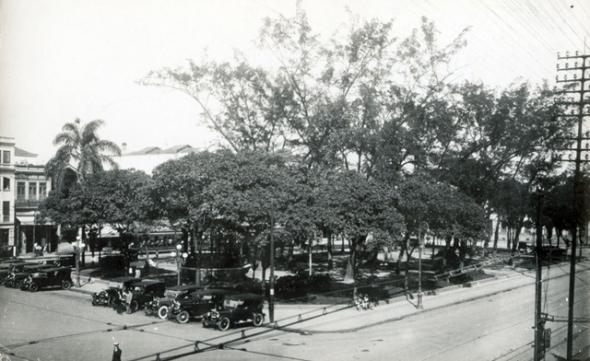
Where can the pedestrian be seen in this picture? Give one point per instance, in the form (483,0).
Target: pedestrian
(116,352)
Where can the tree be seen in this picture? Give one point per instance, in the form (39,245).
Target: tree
(81,148)
(358,207)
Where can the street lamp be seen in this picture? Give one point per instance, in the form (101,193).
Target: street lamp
(178,257)
(78,248)
(271,292)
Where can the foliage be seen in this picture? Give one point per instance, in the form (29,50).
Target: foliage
(81,148)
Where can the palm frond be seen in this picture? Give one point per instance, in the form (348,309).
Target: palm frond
(108,146)
(89,132)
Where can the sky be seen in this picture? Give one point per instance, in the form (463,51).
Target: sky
(67,59)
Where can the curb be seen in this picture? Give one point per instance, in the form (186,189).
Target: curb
(418,312)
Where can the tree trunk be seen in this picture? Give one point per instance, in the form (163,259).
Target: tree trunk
(351,264)
(496,234)
(402,251)
(330,261)
(517,234)
(342,244)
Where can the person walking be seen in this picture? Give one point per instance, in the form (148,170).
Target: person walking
(116,352)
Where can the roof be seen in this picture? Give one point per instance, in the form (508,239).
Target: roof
(23,153)
(181,148)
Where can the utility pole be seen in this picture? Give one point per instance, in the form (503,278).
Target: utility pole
(271,292)
(575,87)
(539,321)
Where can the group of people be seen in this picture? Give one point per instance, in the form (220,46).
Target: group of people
(362,302)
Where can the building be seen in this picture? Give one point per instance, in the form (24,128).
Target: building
(7,196)
(32,187)
(148,158)
(23,186)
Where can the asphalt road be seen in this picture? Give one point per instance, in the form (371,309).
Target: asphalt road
(62,326)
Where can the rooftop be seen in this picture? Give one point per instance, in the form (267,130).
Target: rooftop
(181,148)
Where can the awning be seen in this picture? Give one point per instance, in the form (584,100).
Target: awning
(28,219)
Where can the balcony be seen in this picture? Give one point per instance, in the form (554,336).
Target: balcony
(27,203)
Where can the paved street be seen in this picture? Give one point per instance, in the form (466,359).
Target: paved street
(61,325)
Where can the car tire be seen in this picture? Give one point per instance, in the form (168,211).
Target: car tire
(183,317)
(149,311)
(133,306)
(257,319)
(94,302)
(66,285)
(33,287)
(164,312)
(205,323)
(223,324)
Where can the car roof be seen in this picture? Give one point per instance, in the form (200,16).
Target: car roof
(124,279)
(184,288)
(245,296)
(148,283)
(212,291)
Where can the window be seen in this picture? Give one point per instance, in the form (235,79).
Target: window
(33,190)
(5,184)
(6,211)
(42,190)
(6,157)
(20,191)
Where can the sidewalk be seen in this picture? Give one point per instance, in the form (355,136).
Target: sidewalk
(351,320)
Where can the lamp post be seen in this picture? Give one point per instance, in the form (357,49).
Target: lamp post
(271,292)
(78,247)
(178,249)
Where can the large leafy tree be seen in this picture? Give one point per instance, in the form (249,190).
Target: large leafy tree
(82,150)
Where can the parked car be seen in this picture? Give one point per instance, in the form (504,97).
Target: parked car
(142,293)
(7,268)
(20,272)
(197,304)
(236,308)
(51,277)
(108,296)
(161,306)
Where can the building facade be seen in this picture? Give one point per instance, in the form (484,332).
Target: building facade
(7,196)
(23,186)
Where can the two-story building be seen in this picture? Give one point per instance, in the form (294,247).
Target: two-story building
(32,187)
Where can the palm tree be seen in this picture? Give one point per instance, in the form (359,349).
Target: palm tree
(81,151)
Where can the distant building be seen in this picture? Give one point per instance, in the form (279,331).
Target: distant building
(147,159)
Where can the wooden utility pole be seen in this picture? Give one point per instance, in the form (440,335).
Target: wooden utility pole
(576,86)
(539,321)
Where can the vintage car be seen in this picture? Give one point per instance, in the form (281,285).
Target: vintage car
(141,293)
(108,296)
(236,308)
(20,272)
(197,303)
(161,306)
(7,268)
(50,277)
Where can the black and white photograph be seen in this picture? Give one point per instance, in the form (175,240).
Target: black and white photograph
(295,180)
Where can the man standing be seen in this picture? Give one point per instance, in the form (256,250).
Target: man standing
(116,352)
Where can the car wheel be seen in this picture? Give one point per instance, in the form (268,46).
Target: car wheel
(133,306)
(183,317)
(223,324)
(257,319)
(149,311)
(164,312)
(205,323)
(94,302)
(33,287)
(66,285)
